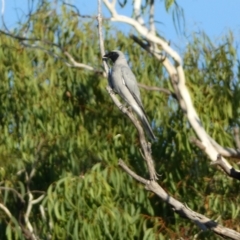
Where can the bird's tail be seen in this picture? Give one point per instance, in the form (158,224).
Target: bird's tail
(147,127)
(141,113)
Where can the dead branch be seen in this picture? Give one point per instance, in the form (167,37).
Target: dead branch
(200,220)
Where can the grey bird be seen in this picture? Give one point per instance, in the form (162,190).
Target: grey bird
(122,81)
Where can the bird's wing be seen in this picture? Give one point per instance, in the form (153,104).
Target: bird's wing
(130,82)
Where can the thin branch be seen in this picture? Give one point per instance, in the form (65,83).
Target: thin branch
(2,14)
(137,11)
(184,211)
(3,8)
(17,37)
(77,12)
(31,202)
(157,89)
(42,211)
(14,191)
(225,151)
(198,143)
(81,65)
(37,200)
(151,18)
(27,214)
(230,172)
(131,173)
(5,209)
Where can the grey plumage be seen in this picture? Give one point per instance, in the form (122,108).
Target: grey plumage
(122,81)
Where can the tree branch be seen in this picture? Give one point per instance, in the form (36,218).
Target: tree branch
(230,172)
(81,65)
(137,11)
(200,220)
(157,89)
(5,209)
(14,191)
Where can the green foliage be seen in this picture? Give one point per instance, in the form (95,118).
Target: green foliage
(61,121)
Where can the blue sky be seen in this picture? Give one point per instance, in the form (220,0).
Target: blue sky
(215,17)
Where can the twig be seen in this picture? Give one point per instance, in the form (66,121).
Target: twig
(158,89)
(81,65)
(225,151)
(131,173)
(151,18)
(31,202)
(14,191)
(77,13)
(137,11)
(197,143)
(26,216)
(5,209)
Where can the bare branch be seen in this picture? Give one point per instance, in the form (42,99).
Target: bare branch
(3,8)
(137,11)
(26,216)
(2,14)
(17,37)
(81,65)
(226,152)
(197,143)
(157,89)
(200,220)
(151,18)
(31,202)
(131,173)
(39,199)
(230,172)
(14,191)
(5,209)
(42,211)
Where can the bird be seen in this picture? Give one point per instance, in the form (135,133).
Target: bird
(123,82)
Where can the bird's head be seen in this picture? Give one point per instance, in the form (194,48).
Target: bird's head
(113,55)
